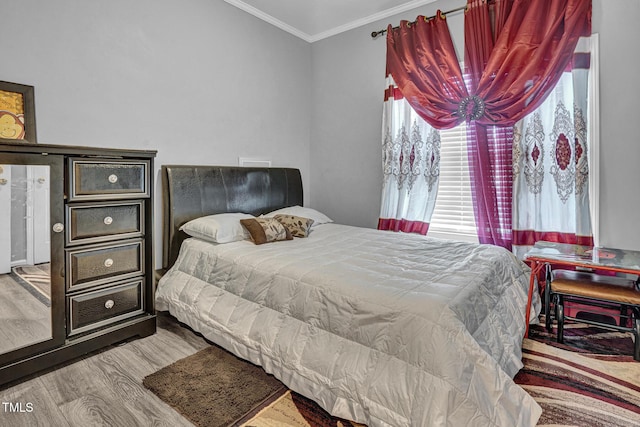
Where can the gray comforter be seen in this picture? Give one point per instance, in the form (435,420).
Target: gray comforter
(377,327)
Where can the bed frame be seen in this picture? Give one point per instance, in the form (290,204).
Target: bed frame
(193,191)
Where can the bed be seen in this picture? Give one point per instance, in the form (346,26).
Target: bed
(381,328)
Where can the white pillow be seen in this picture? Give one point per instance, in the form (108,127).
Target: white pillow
(218,228)
(317,217)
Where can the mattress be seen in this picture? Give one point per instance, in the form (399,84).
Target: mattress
(382,328)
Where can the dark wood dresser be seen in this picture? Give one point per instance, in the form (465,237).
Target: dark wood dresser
(92,209)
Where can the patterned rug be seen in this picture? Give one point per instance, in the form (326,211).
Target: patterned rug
(36,280)
(590,381)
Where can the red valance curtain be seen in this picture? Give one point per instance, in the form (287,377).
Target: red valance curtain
(423,62)
(534,43)
(508,79)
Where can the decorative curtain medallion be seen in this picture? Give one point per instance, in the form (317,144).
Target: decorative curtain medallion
(563,168)
(534,159)
(471,108)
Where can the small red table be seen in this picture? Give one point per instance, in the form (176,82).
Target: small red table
(586,257)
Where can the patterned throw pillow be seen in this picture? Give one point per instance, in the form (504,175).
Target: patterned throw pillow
(265,230)
(297,225)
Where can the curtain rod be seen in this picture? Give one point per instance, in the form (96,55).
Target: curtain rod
(375,34)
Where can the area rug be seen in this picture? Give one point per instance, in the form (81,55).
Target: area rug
(36,279)
(213,388)
(590,381)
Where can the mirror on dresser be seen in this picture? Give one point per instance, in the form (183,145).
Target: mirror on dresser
(31,285)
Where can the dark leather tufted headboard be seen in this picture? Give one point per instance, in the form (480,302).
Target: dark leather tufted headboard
(193,191)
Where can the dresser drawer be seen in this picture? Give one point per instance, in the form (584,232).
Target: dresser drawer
(99,308)
(92,266)
(104,179)
(90,223)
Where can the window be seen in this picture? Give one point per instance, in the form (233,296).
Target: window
(453,216)
(453,208)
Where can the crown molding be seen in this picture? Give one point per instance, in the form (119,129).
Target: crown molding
(270,19)
(369,19)
(311,38)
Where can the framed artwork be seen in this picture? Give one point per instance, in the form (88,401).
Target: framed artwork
(17,113)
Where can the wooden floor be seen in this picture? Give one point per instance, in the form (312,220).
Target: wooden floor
(23,318)
(103,389)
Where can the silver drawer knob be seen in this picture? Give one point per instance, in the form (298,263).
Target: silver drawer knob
(108,220)
(58,227)
(108,262)
(113,178)
(3,181)
(109,304)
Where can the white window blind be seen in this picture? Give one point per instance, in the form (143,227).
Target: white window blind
(453,216)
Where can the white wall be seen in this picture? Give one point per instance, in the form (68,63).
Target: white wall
(200,81)
(348,85)
(619,29)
